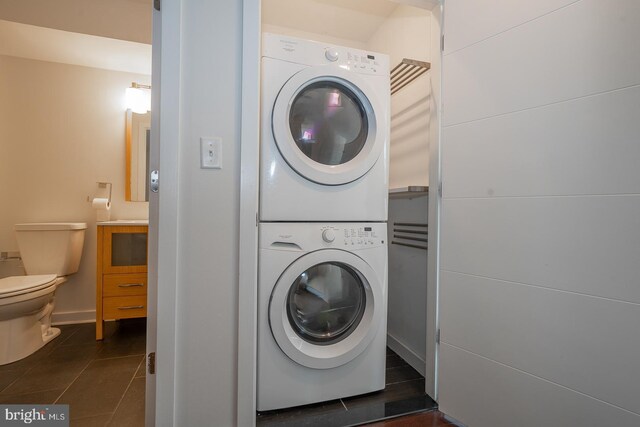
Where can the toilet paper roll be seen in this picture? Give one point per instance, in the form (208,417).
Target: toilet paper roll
(103,209)
(101,204)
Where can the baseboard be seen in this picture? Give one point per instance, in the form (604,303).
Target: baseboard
(71,317)
(415,361)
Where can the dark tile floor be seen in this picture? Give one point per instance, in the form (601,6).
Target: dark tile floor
(433,418)
(102,382)
(403,394)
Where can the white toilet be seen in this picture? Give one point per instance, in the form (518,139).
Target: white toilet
(50,252)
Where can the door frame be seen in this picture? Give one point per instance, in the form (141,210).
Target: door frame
(248,234)
(248,222)
(163,214)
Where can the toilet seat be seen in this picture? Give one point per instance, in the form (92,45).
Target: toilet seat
(19,285)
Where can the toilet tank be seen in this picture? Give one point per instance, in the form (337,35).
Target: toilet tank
(51,248)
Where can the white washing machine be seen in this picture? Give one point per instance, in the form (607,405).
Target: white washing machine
(324,152)
(322,305)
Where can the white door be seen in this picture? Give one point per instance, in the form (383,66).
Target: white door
(539,271)
(325,308)
(325,126)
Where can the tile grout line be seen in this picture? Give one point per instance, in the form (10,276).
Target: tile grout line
(72,382)
(27,393)
(119,357)
(405,381)
(133,377)
(22,375)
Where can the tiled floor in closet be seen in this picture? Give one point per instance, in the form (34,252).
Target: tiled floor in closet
(403,394)
(103,382)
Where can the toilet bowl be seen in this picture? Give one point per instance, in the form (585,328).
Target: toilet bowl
(50,252)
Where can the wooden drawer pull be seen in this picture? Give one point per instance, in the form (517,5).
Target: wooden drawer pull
(131,285)
(131,307)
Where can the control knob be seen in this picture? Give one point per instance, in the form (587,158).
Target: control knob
(331,54)
(328,235)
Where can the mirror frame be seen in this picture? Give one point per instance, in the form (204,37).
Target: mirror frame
(130,143)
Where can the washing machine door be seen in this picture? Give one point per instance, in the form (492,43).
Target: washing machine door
(325,308)
(328,125)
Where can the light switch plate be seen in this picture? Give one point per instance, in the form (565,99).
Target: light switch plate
(211,153)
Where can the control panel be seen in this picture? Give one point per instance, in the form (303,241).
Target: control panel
(351,237)
(316,53)
(362,61)
(308,237)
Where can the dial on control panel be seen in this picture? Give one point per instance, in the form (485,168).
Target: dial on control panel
(328,235)
(331,54)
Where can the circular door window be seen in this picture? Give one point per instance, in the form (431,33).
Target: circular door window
(326,303)
(328,125)
(325,308)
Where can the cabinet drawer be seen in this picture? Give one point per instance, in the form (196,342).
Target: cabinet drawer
(116,285)
(124,307)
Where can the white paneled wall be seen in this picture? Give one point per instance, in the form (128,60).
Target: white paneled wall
(540,267)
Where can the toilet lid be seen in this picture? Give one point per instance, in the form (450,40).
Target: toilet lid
(16,285)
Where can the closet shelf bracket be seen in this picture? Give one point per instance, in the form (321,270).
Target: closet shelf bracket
(407,71)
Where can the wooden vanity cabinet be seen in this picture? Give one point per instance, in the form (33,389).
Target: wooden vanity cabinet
(121,282)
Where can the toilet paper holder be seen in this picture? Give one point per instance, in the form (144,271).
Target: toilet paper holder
(102,185)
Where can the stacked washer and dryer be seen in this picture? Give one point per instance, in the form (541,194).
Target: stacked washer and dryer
(324,161)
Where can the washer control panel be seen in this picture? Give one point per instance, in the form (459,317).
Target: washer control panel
(307,237)
(352,236)
(363,61)
(314,53)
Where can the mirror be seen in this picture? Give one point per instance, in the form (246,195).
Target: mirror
(137,138)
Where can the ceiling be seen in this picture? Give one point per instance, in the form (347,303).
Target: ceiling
(46,44)
(112,35)
(117,19)
(355,20)
(346,19)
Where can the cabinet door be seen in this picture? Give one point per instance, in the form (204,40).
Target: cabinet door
(125,249)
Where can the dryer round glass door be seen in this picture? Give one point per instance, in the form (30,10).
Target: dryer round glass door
(327,125)
(325,308)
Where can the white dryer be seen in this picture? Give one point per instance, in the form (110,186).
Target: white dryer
(322,304)
(324,152)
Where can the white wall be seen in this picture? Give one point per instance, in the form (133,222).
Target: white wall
(61,131)
(407,34)
(208,210)
(293,32)
(540,226)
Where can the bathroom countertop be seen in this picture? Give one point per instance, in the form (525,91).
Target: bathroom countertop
(124,222)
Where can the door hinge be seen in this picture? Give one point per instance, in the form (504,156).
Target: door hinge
(156,5)
(154,181)
(440,189)
(437,336)
(151,365)
(256,219)
(442,43)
